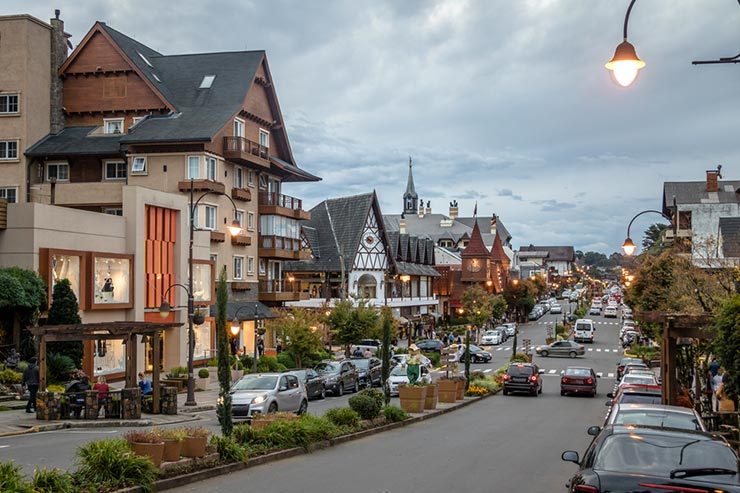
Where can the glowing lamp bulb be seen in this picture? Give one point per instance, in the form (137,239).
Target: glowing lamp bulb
(629,246)
(625,64)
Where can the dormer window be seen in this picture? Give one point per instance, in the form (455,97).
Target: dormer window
(146,60)
(113,125)
(207,81)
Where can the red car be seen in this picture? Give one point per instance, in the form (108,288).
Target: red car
(578,380)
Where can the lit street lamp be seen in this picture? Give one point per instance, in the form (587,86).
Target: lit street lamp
(625,63)
(629,246)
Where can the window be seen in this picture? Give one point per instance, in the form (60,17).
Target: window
(115,170)
(8,149)
(59,171)
(137,119)
(113,211)
(193,167)
(211,168)
(210,217)
(195,218)
(240,217)
(263,182)
(139,165)
(8,103)
(238,128)
(250,178)
(238,267)
(264,138)
(9,193)
(207,81)
(263,267)
(250,265)
(214,258)
(250,221)
(238,177)
(113,126)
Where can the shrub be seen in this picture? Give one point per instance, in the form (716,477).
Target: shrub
(10,377)
(519,358)
(178,434)
(281,367)
(196,431)
(12,480)
(246,360)
(142,436)
(267,364)
(286,360)
(294,433)
(55,387)
(178,371)
(488,385)
(343,416)
(53,481)
(203,373)
(243,433)
(228,449)
(394,414)
(366,406)
(435,357)
(375,394)
(58,367)
(477,391)
(110,464)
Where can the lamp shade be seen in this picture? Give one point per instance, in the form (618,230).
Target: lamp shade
(625,63)
(629,246)
(235,228)
(235,326)
(164,309)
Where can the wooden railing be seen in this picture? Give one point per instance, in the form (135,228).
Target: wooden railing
(280,200)
(280,243)
(279,286)
(240,144)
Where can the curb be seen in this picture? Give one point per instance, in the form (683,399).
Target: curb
(174,482)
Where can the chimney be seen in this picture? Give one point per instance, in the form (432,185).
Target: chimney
(712,179)
(402,225)
(58,56)
(493,224)
(429,206)
(421,209)
(453,209)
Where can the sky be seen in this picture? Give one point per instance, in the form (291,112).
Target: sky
(501,102)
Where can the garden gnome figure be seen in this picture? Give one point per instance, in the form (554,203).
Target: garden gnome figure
(413,365)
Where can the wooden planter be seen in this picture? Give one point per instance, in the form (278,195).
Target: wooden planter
(412,398)
(264,421)
(447,390)
(432,395)
(460,390)
(154,451)
(172,449)
(194,447)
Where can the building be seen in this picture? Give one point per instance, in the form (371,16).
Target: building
(554,261)
(349,253)
(708,215)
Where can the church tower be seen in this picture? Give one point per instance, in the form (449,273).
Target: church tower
(410,198)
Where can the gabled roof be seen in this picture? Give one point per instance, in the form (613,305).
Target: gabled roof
(555,253)
(460,228)
(78,141)
(475,247)
(695,192)
(729,230)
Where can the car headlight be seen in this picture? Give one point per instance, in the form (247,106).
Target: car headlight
(331,380)
(259,399)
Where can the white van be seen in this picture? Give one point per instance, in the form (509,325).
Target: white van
(584,330)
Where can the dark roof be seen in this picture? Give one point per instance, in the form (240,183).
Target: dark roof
(563,253)
(76,140)
(475,246)
(695,192)
(729,228)
(485,224)
(294,172)
(248,310)
(497,251)
(431,225)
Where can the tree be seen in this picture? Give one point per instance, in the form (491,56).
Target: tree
(349,324)
(653,238)
(22,296)
(467,359)
(385,353)
(299,330)
(519,297)
(477,305)
(498,307)
(65,310)
(223,408)
(727,343)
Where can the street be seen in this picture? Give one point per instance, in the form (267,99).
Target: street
(495,435)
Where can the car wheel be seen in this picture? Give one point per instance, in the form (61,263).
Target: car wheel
(506,392)
(545,354)
(322,395)
(340,389)
(540,391)
(273,408)
(303,408)
(562,393)
(572,354)
(356,386)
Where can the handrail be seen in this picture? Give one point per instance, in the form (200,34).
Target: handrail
(240,144)
(280,200)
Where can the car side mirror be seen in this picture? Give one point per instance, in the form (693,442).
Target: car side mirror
(593,430)
(570,456)
(610,395)
(283,388)
(541,372)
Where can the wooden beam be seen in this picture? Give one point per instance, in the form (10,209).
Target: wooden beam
(156,391)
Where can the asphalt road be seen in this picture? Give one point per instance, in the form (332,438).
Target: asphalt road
(514,434)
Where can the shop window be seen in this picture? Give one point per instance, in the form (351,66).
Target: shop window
(111,280)
(202,345)
(110,357)
(202,283)
(66,267)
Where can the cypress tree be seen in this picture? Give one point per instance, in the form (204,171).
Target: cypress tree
(223,410)
(65,310)
(385,349)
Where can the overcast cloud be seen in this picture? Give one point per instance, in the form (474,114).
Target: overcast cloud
(501,102)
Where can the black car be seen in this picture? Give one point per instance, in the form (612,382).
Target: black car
(339,376)
(478,355)
(434,345)
(368,371)
(655,460)
(313,382)
(523,377)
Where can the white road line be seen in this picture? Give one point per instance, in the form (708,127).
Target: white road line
(610,375)
(598,350)
(4,446)
(551,372)
(499,348)
(599,374)
(590,349)
(615,350)
(488,370)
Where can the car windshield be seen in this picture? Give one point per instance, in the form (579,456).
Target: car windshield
(474,348)
(637,378)
(327,367)
(256,382)
(301,374)
(631,398)
(362,364)
(627,361)
(663,419)
(491,333)
(658,455)
(520,370)
(583,326)
(578,372)
(398,371)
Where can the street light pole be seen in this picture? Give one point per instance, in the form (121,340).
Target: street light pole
(629,246)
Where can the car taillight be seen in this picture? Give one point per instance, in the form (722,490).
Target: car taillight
(589,381)
(533,378)
(584,488)
(565,380)
(506,376)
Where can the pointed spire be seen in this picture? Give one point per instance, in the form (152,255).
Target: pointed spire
(410,189)
(476,247)
(410,198)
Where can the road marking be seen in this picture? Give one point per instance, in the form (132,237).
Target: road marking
(598,350)
(610,375)
(91,432)
(499,348)
(590,349)
(551,372)
(599,374)
(4,446)
(488,370)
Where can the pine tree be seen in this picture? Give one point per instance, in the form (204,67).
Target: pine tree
(385,350)
(65,310)
(223,410)
(467,359)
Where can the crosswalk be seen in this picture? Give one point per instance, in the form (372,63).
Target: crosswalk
(598,322)
(598,350)
(547,372)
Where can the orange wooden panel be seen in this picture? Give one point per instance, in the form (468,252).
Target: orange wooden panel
(166,230)
(173,226)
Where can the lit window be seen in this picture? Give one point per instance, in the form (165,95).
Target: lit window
(211,169)
(9,193)
(139,165)
(59,171)
(238,177)
(114,126)
(210,217)
(8,149)
(207,81)
(264,138)
(146,60)
(115,171)
(238,267)
(8,103)
(238,128)
(193,167)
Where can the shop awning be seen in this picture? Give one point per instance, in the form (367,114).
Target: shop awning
(245,310)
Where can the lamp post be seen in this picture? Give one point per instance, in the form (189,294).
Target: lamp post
(625,63)
(164,309)
(237,323)
(629,246)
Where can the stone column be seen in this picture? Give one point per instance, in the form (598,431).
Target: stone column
(92,404)
(131,403)
(47,406)
(169,400)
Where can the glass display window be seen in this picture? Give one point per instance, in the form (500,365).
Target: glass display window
(203,347)
(109,357)
(65,266)
(202,281)
(111,281)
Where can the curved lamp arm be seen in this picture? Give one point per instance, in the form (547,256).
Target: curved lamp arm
(645,212)
(629,246)
(627,19)
(235,227)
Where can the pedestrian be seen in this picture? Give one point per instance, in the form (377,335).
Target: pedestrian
(279,348)
(726,405)
(31,381)
(367,353)
(357,353)
(714,366)
(145,384)
(716,383)
(103,389)
(260,346)
(459,340)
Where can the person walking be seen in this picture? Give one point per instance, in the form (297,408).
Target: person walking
(726,405)
(714,366)
(716,383)
(103,389)
(261,346)
(31,381)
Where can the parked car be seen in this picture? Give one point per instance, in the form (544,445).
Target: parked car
(478,355)
(635,394)
(623,363)
(430,345)
(556,309)
(339,376)
(584,330)
(400,359)
(594,310)
(372,344)
(610,311)
(523,377)
(492,337)
(267,393)
(561,348)
(655,460)
(657,415)
(638,379)
(368,371)
(578,380)
(313,382)
(398,377)
(510,328)
(504,334)
(536,313)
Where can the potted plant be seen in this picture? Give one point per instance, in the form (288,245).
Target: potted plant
(173,439)
(146,444)
(460,381)
(447,389)
(199,317)
(412,396)
(202,382)
(431,397)
(194,444)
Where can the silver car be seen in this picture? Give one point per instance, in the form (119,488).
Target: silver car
(267,393)
(655,415)
(561,348)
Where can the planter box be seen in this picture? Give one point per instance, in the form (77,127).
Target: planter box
(155,451)
(412,398)
(201,383)
(447,390)
(264,421)
(172,449)
(460,390)
(213,374)
(194,447)
(432,396)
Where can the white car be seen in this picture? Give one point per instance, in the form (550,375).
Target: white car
(400,359)
(610,311)
(510,328)
(556,309)
(638,379)
(398,377)
(267,393)
(492,337)
(594,310)
(584,330)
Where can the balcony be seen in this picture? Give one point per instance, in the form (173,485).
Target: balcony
(282,205)
(241,240)
(201,186)
(244,151)
(241,194)
(281,290)
(279,247)
(218,237)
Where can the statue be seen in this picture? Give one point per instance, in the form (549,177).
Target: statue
(413,365)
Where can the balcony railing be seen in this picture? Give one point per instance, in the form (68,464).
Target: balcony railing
(279,286)
(279,247)
(239,145)
(280,200)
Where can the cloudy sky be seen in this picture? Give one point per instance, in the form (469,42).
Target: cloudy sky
(504,102)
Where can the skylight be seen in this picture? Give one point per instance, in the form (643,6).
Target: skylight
(146,60)
(207,81)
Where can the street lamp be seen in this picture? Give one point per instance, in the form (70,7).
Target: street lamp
(164,308)
(625,63)
(629,246)
(236,323)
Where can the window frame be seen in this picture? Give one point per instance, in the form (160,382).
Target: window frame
(266,134)
(211,161)
(250,221)
(250,265)
(206,209)
(4,191)
(238,177)
(107,121)
(143,170)
(250,178)
(262,267)
(7,96)
(189,169)
(136,119)
(239,123)
(7,143)
(109,211)
(56,165)
(116,162)
(241,267)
